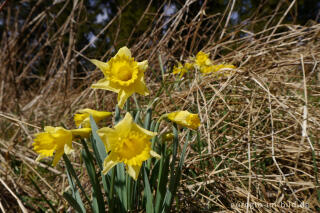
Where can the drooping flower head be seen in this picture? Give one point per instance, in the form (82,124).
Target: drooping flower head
(127,143)
(185,118)
(83,116)
(123,75)
(56,140)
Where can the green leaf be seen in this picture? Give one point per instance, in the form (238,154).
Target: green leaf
(136,119)
(73,203)
(75,193)
(117,117)
(120,185)
(97,144)
(97,197)
(162,178)
(147,119)
(175,177)
(148,193)
(175,182)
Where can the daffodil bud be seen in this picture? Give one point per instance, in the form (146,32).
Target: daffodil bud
(185,118)
(82,117)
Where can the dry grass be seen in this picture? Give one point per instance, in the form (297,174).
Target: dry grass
(259,138)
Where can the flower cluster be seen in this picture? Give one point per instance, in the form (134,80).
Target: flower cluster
(202,63)
(126,142)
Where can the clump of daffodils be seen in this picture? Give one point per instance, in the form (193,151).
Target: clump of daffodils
(203,63)
(125,149)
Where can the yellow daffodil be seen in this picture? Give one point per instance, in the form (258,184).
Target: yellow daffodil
(182,69)
(123,75)
(188,66)
(56,139)
(185,118)
(223,66)
(207,69)
(83,116)
(202,59)
(179,70)
(128,143)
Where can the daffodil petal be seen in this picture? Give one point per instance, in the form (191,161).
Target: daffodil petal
(154,154)
(104,134)
(79,118)
(108,164)
(124,51)
(103,66)
(83,132)
(124,126)
(57,157)
(123,96)
(133,171)
(141,87)
(40,157)
(104,84)
(143,65)
(49,129)
(67,149)
(143,131)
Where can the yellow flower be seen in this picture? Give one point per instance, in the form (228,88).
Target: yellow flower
(56,139)
(123,75)
(188,66)
(127,143)
(179,70)
(83,116)
(182,69)
(202,59)
(207,69)
(219,67)
(185,118)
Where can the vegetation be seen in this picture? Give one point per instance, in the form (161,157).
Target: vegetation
(258,142)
